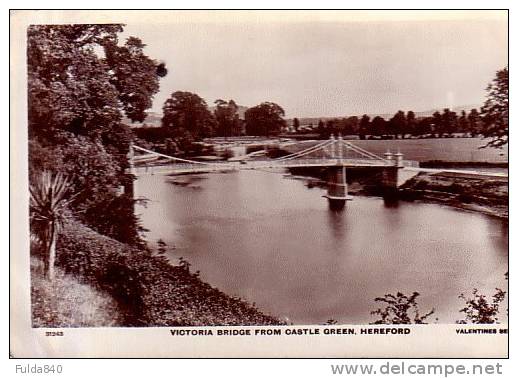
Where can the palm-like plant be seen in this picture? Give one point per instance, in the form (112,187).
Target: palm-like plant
(48,203)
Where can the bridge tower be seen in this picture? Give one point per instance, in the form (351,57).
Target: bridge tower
(390,176)
(337,177)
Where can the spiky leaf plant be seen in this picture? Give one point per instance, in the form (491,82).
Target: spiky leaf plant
(48,203)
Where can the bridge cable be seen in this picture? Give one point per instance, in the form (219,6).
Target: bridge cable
(363,152)
(172,157)
(307,151)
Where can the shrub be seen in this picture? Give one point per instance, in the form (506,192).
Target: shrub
(398,308)
(479,310)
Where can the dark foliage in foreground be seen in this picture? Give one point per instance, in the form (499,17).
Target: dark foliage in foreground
(495,111)
(81,81)
(479,309)
(399,309)
(150,291)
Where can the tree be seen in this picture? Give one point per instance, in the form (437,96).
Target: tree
(49,197)
(474,122)
(80,83)
(495,112)
(72,87)
(379,126)
(424,126)
(437,125)
(296,124)
(264,119)
(398,124)
(227,118)
(364,126)
(187,116)
(134,75)
(349,126)
(463,124)
(398,308)
(411,123)
(449,121)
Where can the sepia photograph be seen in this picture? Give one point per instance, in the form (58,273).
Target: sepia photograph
(335,175)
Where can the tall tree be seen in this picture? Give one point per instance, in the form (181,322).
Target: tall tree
(411,123)
(321,128)
(72,87)
(449,121)
(463,123)
(424,126)
(227,118)
(398,124)
(134,75)
(80,84)
(364,126)
(379,126)
(495,112)
(437,126)
(188,116)
(474,122)
(349,126)
(264,119)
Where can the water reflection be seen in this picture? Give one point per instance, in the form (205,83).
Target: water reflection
(391,201)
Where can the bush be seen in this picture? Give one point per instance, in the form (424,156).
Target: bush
(479,310)
(399,308)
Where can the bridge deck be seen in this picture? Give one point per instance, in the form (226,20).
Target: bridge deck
(182,168)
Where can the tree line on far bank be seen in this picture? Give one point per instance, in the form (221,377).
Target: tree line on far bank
(187,120)
(405,125)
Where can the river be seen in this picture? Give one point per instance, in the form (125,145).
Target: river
(267,238)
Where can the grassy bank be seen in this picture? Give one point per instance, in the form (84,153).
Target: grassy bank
(144,289)
(68,302)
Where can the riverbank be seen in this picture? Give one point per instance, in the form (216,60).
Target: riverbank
(488,195)
(68,302)
(147,290)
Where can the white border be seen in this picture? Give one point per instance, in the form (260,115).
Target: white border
(303,367)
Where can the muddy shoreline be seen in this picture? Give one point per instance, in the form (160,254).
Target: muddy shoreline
(482,195)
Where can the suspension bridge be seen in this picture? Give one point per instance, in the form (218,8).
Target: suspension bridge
(332,152)
(335,154)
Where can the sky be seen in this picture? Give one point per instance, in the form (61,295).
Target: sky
(336,64)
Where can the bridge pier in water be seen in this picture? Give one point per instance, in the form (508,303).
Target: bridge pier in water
(337,187)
